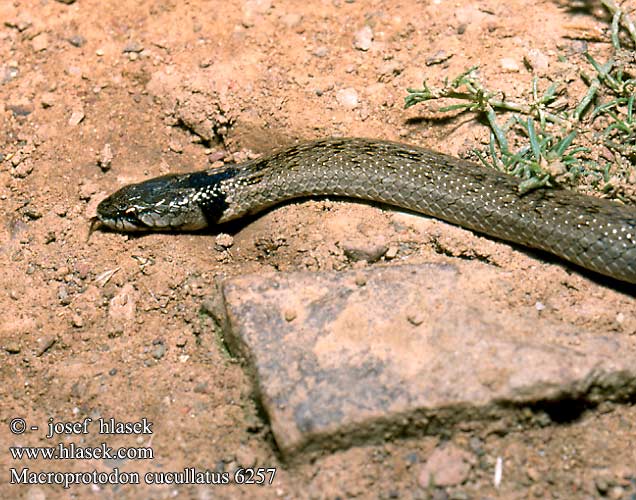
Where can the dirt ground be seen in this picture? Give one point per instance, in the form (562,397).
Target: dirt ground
(96,94)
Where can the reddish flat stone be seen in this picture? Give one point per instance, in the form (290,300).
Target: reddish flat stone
(339,358)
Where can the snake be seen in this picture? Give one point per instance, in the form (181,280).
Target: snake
(594,233)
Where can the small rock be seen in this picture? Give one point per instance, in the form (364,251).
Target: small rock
(291,20)
(439,57)
(77,41)
(224,240)
(360,280)
(48,99)
(44,344)
(63,295)
(347,98)
(99,52)
(159,351)
(77,321)
(447,466)
(616,492)
(123,306)
(32,213)
(133,47)
(19,24)
(67,2)
(17,158)
(201,388)
(321,51)
(21,109)
(105,157)
(602,485)
(290,315)
(7,74)
(368,251)
(23,169)
(392,252)
(363,38)
(215,156)
(477,446)
(389,70)
(87,190)
(537,60)
(12,347)
(509,64)
(175,146)
(76,118)
(40,42)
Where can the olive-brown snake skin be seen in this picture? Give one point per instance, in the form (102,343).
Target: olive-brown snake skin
(594,233)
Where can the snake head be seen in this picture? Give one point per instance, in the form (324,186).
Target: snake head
(166,203)
(174,202)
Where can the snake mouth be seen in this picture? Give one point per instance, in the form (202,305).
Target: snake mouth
(127,223)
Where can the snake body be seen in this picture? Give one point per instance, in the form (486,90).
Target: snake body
(594,233)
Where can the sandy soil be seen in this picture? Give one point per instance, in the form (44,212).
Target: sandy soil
(117,326)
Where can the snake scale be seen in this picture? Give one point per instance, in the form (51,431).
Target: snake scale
(594,233)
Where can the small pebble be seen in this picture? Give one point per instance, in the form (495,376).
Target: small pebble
(47,99)
(87,190)
(363,38)
(439,57)
(392,252)
(23,169)
(12,347)
(63,296)
(77,321)
(159,351)
(509,64)
(224,240)
(448,465)
(105,157)
(360,280)
(537,61)
(290,315)
(175,146)
(21,109)
(76,118)
(44,344)
(40,42)
(133,47)
(347,98)
(602,485)
(291,20)
(321,51)
(368,251)
(201,388)
(77,41)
